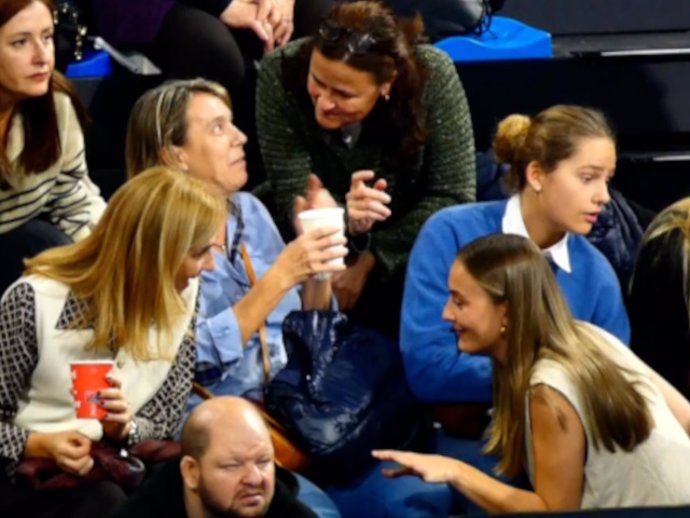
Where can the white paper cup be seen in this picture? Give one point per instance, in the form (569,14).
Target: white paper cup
(332,217)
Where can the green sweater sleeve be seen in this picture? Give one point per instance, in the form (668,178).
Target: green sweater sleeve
(281,133)
(448,168)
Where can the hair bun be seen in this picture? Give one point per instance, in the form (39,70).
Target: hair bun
(510,137)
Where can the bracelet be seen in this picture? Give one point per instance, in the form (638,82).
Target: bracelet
(134,437)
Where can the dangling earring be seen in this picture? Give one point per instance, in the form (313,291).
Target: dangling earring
(503,331)
(386,97)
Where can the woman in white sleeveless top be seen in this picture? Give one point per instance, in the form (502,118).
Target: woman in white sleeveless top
(592,424)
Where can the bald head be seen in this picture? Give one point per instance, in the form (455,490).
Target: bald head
(227,416)
(228,460)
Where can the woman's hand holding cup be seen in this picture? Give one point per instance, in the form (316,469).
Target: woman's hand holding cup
(117,421)
(318,252)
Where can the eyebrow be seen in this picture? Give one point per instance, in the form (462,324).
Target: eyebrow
(207,122)
(593,167)
(24,34)
(219,118)
(337,90)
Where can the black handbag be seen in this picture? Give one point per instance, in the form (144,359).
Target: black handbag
(343,391)
(444,18)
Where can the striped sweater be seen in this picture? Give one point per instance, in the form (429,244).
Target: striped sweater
(64,192)
(442,174)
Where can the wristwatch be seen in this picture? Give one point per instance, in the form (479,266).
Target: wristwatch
(133,437)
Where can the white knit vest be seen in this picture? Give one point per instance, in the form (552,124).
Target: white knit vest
(48,405)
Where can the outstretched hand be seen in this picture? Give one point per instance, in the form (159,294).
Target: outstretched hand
(435,469)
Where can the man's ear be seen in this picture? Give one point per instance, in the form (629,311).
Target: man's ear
(534,176)
(189,468)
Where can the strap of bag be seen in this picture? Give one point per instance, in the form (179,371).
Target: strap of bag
(263,341)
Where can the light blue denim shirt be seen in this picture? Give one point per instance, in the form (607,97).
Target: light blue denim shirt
(223,365)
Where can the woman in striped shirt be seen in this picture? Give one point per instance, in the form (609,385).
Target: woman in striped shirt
(46,196)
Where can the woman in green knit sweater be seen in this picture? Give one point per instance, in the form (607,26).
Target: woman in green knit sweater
(383,123)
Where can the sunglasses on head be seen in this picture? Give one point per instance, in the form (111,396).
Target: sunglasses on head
(355,42)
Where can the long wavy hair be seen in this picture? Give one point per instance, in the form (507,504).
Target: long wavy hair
(159,120)
(389,48)
(125,269)
(548,138)
(512,270)
(41,134)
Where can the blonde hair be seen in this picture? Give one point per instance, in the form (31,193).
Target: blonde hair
(512,270)
(159,120)
(125,269)
(674,223)
(551,136)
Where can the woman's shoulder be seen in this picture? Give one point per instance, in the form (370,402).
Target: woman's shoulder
(254,212)
(437,62)
(45,285)
(248,203)
(432,56)
(64,110)
(63,102)
(40,287)
(461,214)
(272,62)
(588,259)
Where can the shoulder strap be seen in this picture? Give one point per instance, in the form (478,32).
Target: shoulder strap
(262,330)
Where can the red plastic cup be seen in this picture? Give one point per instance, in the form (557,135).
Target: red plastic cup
(88,379)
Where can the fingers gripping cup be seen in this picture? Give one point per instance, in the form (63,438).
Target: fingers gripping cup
(88,379)
(332,217)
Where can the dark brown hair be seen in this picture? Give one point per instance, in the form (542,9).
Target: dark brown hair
(549,137)
(389,49)
(41,135)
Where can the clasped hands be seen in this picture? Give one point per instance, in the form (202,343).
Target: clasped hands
(270,20)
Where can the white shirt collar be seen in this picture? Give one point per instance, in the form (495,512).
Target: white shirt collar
(513,223)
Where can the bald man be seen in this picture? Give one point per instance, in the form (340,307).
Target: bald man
(227,470)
